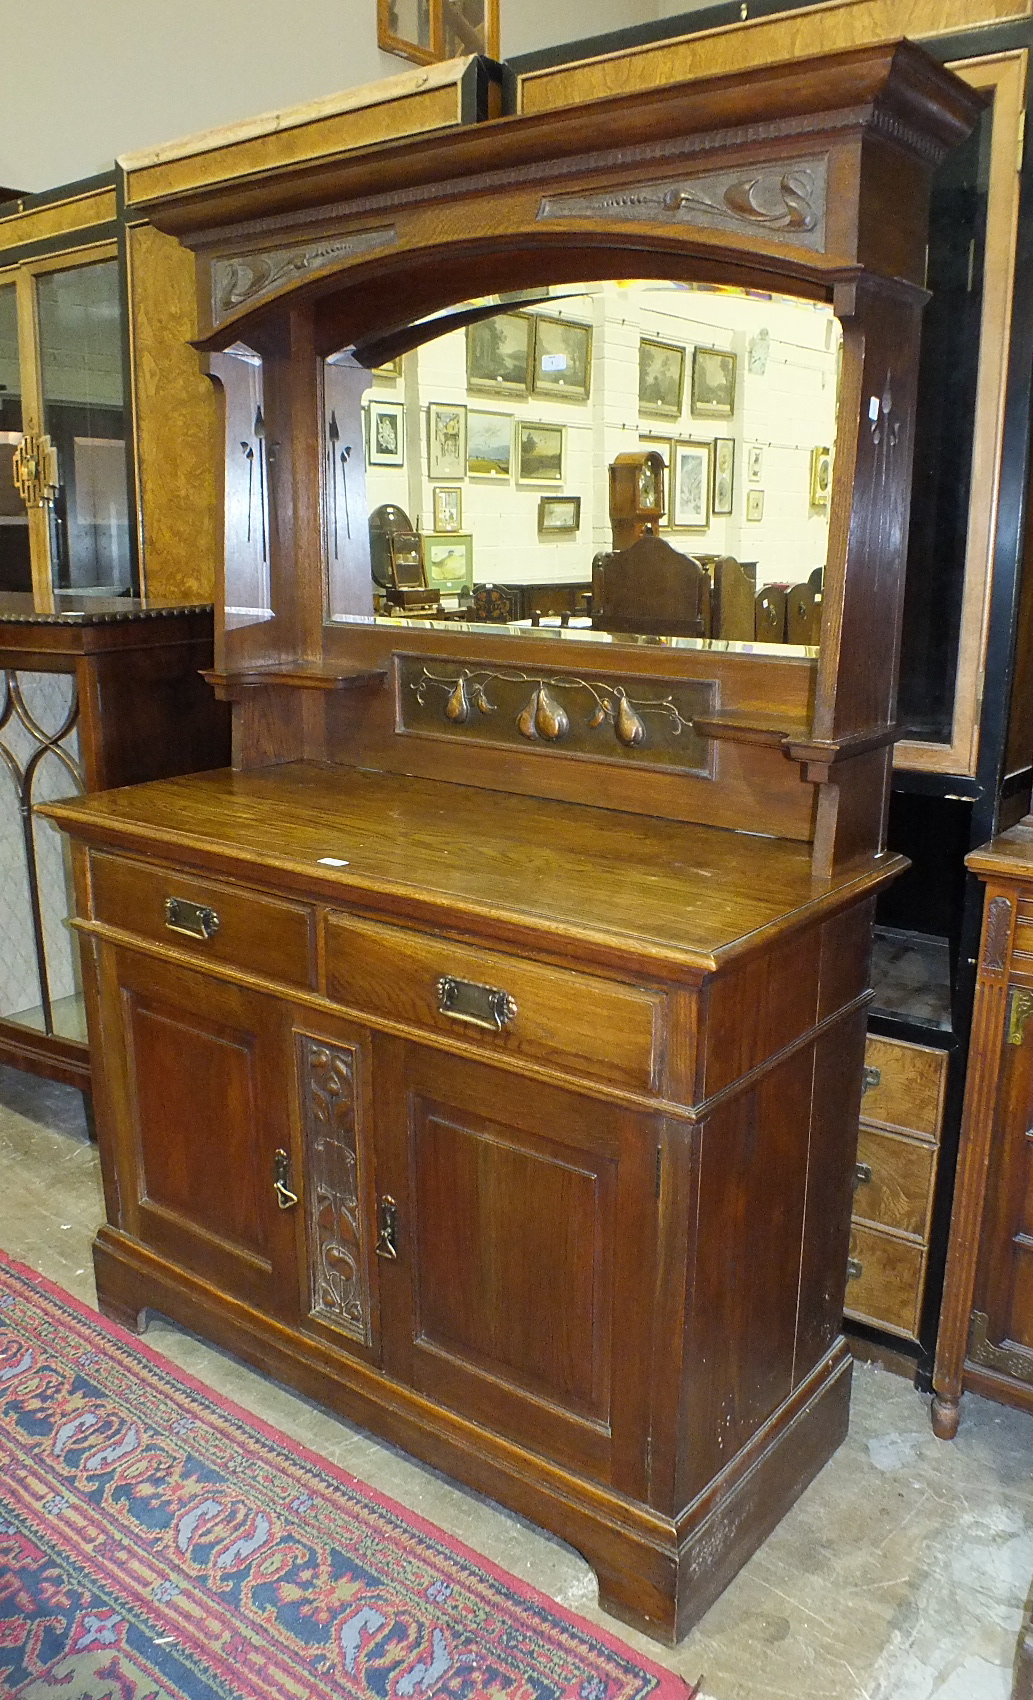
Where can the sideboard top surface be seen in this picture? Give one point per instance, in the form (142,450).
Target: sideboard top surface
(610,884)
(1009,856)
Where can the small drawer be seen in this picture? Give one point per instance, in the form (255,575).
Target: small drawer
(894,1187)
(579,1022)
(903,1086)
(216,923)
(885,1278)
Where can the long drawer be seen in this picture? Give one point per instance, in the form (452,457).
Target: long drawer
(602,1029)
(214,922)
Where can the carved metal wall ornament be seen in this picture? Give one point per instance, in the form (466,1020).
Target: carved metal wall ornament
(785,200)
(243,280)
(563,710)
(338,1284)
(23,755)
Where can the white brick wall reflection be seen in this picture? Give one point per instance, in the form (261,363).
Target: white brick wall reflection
(48,698)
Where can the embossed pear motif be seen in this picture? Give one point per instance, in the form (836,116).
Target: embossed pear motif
(629,726)
(457,707)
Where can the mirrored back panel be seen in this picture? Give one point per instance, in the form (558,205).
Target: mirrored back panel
(625,460)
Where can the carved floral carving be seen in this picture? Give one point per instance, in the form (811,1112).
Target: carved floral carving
(242,280)
(785,201)
(337,1264)
(998,930)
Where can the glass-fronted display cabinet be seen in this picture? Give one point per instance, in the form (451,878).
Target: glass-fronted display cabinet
(98,687)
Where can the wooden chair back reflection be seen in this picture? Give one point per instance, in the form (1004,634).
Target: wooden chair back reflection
(803,614)
(732,614)
(650,588)
(771,614)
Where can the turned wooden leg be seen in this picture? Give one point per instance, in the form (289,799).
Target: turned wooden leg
(945,1415)
(130,1317)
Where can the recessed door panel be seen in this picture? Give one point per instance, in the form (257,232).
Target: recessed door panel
(203,1071)
(525,1269)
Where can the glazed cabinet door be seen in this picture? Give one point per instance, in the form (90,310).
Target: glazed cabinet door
(201,1143)
(517,1255)
(1001,1337)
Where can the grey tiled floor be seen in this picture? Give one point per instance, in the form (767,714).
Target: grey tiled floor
(899,1575)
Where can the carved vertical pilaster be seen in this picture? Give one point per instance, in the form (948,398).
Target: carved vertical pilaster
(338,1280)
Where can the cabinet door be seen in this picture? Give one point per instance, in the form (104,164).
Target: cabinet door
(522,1291)
(201,1109)
(1002,1332)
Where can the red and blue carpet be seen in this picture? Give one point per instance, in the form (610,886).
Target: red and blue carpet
(158,1543)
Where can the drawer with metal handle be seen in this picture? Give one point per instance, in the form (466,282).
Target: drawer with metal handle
(582,1023)
(903,1086)
(215,922)
(893,1186)
(885,1281)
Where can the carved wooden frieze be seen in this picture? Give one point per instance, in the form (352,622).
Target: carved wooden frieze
(338,1284)
(997,934)
(784,201)
(628,719)
(243,280)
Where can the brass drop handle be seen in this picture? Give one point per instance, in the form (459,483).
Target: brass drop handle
(854,1269)
(195,920)
(285,1198)
(387,1225)
(870,1079)
(862,1175)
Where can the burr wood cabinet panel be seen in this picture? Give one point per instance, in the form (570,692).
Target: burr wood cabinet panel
(897,1153)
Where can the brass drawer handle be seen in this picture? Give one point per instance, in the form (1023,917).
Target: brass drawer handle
(195,920)
(854,1269)
(870,1079)
(387,1226)
(482,1006)
(862,1175)
(285,1198)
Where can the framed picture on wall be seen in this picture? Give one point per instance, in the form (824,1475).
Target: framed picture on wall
(661,378)
(754,463)
(713,383)
(498,354)
(821,477)
(690,487)
(754,505)
(559,515)
(540,454)
(724,474)
(390,370)
(385,433)
(446,440)
(489,444)
(448,562)
(448,508)
(562,363)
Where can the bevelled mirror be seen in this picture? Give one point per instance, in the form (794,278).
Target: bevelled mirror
(518,442)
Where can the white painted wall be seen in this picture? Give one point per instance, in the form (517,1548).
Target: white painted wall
(82,81)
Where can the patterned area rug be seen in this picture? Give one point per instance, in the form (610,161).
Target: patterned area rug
(158,1543)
